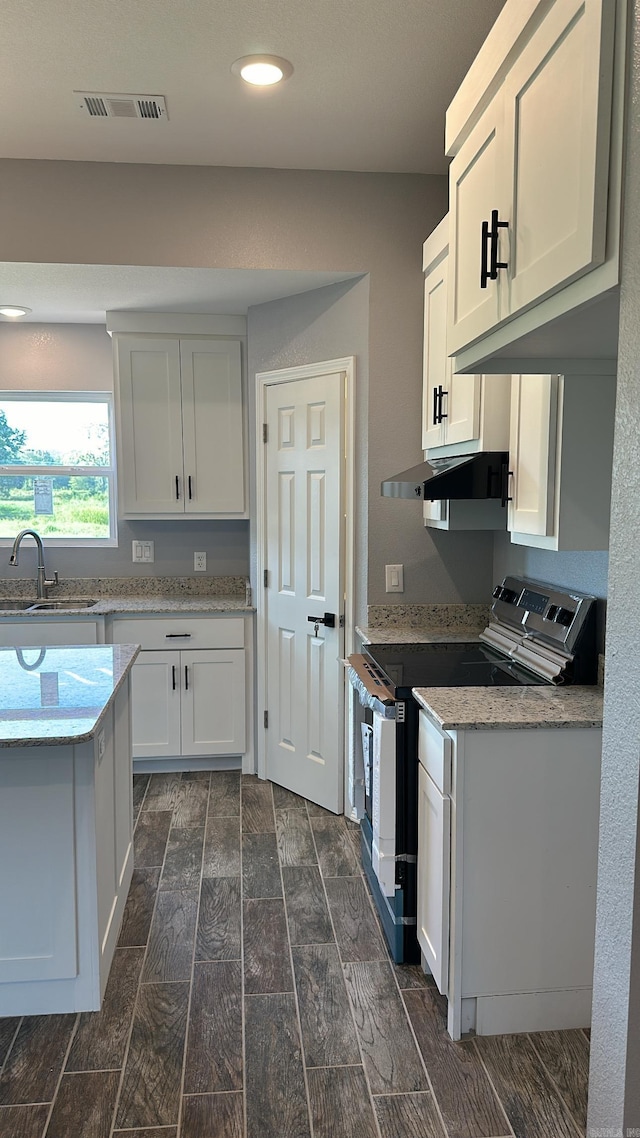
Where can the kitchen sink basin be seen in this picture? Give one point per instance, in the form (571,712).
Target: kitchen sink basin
(53,606)
(7,605)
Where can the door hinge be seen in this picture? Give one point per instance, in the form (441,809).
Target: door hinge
(400,712)
(266,579)
(266,718)
(265,433)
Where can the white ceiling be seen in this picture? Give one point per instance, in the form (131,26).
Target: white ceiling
(371,82)
(81,294)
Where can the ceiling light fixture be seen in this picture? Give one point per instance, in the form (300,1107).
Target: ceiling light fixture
(15,311)
(262,70)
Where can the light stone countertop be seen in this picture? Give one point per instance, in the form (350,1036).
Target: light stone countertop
(123,595)
(58,696)
(109,606)
(410,634)
(492,709)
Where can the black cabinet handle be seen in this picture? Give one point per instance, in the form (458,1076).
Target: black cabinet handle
(489,241)
(177,635)
(177,489)
(173,676)
(186,678)
(441,414)
(506,475)
(495,237)
(435,407)
(484,258)
(189,482)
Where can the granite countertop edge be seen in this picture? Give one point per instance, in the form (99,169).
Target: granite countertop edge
(410,634)
(111,606)
(131,651)
(529,708)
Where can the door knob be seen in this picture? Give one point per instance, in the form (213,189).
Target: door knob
(329,619)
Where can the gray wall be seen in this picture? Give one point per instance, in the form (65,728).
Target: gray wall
(614,1089)
(76,357)
(103,213)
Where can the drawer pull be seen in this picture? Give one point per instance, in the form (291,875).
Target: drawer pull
(177,635)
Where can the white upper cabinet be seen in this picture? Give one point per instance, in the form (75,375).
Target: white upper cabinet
(535,176)
(180,423)
(560,458)
(462,413)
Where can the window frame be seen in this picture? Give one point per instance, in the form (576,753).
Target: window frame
(108,472)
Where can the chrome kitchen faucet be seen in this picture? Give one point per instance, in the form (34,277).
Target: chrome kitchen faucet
(41,580)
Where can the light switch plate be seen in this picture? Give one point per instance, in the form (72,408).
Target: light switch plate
(394,578)
(142,551)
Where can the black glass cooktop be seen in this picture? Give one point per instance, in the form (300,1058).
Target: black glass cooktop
(471,665)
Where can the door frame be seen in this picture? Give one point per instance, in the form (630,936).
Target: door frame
(264,379)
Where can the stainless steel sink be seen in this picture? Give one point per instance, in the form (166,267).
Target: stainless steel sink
(69,603)
(8,605)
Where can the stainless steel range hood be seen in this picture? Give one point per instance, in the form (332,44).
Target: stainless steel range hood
(483,475)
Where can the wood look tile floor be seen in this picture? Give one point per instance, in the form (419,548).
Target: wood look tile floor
(252,996)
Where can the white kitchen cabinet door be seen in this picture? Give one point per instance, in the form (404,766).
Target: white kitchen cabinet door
(532,449)
(477,185)
(150,474)
(561,454)
(212,426)
(436,374)
(213,702)
(434,877)
(557,127)
(462,408)
(155,705)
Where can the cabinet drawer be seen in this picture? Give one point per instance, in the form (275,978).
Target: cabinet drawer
(434,752)
(156,634)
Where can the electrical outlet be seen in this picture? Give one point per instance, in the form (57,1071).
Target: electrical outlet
(200,562)
(394,578)
(142,551)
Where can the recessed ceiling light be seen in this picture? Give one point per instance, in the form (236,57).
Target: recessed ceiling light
(14,310)
(262,70)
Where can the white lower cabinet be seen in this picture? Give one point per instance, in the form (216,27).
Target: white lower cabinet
(27,631)
(507,868)
(434,849)
(187,702)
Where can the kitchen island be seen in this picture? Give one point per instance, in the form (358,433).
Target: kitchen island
(65,823)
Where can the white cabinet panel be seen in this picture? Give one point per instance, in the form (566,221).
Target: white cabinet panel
(176,632)
(434,857)
(213,703)
(36,945)
(476,187)
(436,363)
(155,695)
(557,104)
(150,416)
(532,453)
(212,425)
(30,631)
(180,427)
(561,453)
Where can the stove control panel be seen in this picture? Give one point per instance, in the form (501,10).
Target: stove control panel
(555,617)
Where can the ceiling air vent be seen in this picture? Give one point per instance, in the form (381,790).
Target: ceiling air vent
(99,105)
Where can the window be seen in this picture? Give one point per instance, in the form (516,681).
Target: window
(57,466)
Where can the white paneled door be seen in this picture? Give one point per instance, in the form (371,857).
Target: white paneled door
(304,541)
